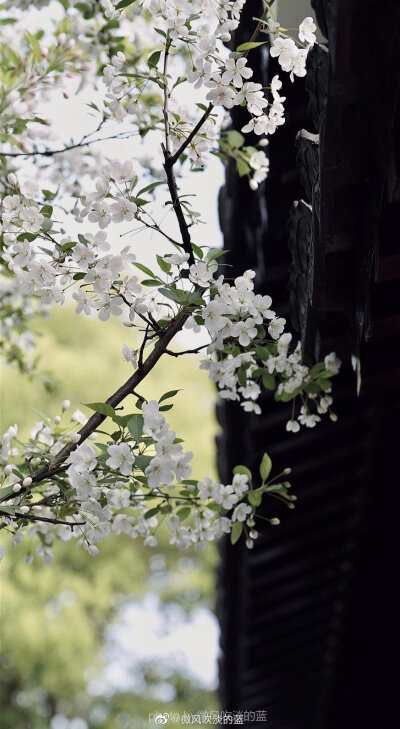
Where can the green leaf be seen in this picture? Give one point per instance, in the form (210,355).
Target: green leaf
(167,395)
(151,187)
(242,167)
(265,466)
(101,407)
(255,498)
(150,282)
(235,139)
(317,369)
(236,531)
(9,510)
(215,253)
(47,211)
(154,59)
(122,420)
(142,462)
(242,470)
(47,224)
(151,512)
(268,381)
(312,387)
(68,246)
(135,426)
(241,375)
(262,353)
(5,493)
(325,384)
(144,269)
(179,297)
(197,250)
(166,267)
(34,43)
(183,513)
(27,236)
(124,4)
(249,45)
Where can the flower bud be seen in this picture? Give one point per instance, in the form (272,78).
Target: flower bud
(249,544)
(24,509)
(275,521)
(93,550)
(12,179)
(8,469)
(75,438)
(61,39)
(66,404)
(27,481)
(287,471)
(17,487)
(57,420)
(263,143)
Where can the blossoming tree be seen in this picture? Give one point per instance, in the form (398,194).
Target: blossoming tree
(162,69)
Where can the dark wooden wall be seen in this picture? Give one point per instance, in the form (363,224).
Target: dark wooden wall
(309,617)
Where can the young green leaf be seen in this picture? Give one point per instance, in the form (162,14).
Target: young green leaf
(255,498)
(167,395)
(249,45)
(236,531)
(242,470)
(135,426)
(265,466)
(101,407)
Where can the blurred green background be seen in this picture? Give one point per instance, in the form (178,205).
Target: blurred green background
(61,664)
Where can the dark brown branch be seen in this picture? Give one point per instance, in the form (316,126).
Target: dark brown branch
(176,204)
(52,152)
(47,519)
(174,157)
(142,347)
(176,324)
(186,351)
(260,24)
(126,389)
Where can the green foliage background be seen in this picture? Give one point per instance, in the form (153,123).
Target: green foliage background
(48,650)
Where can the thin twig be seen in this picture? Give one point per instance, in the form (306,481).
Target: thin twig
(52,152)
(174,157)
(30,517)
(186,351)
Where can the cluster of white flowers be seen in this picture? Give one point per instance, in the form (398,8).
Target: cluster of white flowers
(253,349)
(204,28)
(107,489)
(140,478)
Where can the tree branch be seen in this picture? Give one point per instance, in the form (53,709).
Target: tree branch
(174,157)
(31,517)
(126,389)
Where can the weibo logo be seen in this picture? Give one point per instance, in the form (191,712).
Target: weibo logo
(161,718)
